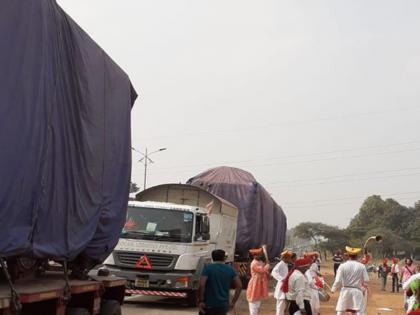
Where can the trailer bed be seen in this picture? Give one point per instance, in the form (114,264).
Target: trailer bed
(49,290)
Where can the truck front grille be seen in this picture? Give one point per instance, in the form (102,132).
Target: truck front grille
(158,261)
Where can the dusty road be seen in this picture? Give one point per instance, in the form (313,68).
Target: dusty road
(380,303)
(156,306)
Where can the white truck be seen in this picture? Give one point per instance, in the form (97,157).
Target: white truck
(168,238)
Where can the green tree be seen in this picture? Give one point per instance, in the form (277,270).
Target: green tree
(399,225)
(326,237)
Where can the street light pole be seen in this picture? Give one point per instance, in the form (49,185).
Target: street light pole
(146,160)
(145,170)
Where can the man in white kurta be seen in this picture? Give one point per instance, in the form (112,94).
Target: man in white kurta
(298,291)
(279,273)
(352,277)
(312,275)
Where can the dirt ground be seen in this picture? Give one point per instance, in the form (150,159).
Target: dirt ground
(379,302)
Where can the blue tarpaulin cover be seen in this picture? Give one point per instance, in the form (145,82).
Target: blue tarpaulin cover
(261,221)
(65,158)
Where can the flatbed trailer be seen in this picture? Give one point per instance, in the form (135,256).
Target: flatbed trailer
(46,295)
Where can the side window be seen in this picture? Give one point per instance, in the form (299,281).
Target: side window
(202,228)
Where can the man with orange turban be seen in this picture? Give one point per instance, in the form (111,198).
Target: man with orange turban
(257,290)
(279,273)
(296,287)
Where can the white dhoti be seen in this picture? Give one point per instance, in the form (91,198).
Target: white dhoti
(315,305)
(350,299)
(281,306)
(254,307)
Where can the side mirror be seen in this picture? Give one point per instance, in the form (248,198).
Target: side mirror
(202,237)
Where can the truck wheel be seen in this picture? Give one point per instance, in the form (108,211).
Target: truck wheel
(192,298)
(110,307)
(77,311)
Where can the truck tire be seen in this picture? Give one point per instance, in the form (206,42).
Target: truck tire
(192,298)
(110,307)
(77,311)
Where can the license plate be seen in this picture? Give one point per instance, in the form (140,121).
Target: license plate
(141,283)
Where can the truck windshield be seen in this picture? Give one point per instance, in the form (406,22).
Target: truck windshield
(158,224)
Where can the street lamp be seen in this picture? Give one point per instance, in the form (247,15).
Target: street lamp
(146,160)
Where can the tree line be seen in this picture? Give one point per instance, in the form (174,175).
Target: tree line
(398,224)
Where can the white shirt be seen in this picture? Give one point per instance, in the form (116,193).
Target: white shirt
(279,272)
(395,268)
(314,268)
(351,274)
(298,289)
(352,277)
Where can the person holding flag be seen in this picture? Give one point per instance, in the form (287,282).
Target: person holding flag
(257,290)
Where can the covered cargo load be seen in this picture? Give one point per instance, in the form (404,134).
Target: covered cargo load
(260,220)
(65,159)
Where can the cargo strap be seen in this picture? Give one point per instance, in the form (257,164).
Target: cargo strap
(14,296)
(67,290)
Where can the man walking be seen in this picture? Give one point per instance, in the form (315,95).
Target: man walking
(257,289)
(215,283)
(296,287)
(338,260)
(395,271)
(383,273)
(279,273)
(352,277)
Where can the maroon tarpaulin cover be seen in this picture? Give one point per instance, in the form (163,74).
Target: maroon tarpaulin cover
(260,220)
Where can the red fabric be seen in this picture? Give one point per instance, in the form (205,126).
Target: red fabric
(285,285)
(365,259)
(318,283)
(300,262)
(303,261)
(310,254)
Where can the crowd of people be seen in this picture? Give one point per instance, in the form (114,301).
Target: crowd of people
(300,284)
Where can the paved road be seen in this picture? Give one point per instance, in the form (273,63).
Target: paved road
(146,305)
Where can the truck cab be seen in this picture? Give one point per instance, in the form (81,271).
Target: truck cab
(168,239)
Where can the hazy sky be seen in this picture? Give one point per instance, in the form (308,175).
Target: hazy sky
(319,100)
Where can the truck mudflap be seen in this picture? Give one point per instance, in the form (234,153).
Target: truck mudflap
(244,272)
(242,268)
(156,293)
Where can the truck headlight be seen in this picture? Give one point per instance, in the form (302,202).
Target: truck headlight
(182,282)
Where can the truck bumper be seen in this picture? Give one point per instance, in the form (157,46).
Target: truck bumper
(149,280)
